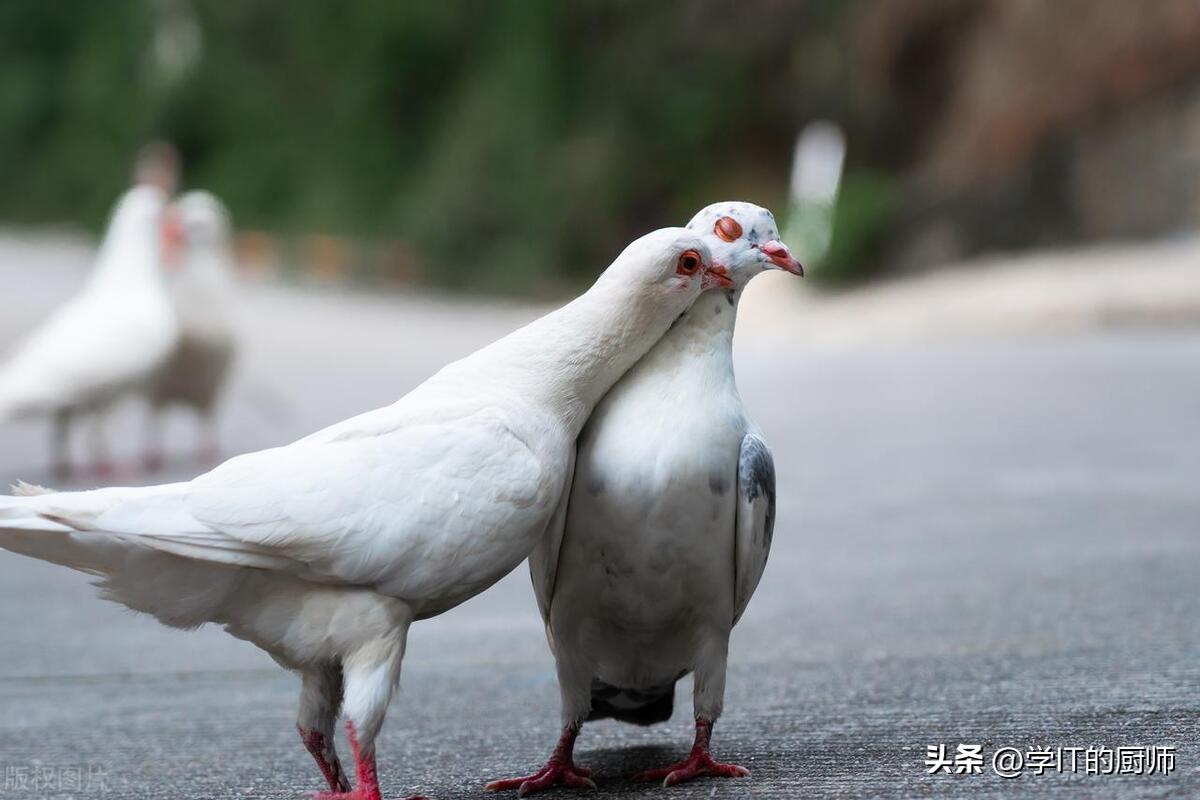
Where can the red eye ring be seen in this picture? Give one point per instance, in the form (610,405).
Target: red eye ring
(689,263)
(728,229)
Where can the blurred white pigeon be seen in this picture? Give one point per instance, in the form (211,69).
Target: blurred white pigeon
(323,552)
(204,291)
(668,526)
(108,340)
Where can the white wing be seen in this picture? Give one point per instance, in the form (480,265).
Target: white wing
(543,561)
(755,522)
(93,345)
(432,510)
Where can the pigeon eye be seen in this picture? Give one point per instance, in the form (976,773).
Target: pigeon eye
(689,262)
(728,229)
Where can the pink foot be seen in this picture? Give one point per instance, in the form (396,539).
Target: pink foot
(368,778)
(699,763)
(355,796)
(108,471)
(321,749)
(550,775)
(559,770)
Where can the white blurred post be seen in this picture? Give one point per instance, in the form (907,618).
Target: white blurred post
(773,299)
(813,190)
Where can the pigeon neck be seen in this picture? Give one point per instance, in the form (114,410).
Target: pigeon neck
(128,257)
(585,347)
(708,324)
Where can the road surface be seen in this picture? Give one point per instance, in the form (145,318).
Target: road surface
(989,542)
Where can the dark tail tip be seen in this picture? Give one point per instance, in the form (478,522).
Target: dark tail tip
(659,709)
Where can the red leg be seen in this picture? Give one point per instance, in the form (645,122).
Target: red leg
(699,762)
(208,454)
(153,460)
(368,777)
(322,752)
(560,769)
(109,471)
(63,471)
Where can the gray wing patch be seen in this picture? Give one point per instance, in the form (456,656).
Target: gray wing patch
(755,522)
(756,478)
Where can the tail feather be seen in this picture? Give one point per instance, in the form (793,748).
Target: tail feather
(24,529)
(178,591)
(23,489)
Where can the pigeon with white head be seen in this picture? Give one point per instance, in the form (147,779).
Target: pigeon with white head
(323,552)
(668,525)
(203,288)
(107,341)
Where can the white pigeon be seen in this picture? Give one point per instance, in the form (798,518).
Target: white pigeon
(203,289)
(324,551)
(668,525)
(108,340)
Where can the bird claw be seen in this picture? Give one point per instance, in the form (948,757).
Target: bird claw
(695,766)
(354,795)
(552,774)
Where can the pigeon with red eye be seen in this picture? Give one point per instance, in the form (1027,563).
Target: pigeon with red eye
(324,552)
(668,524)
(107,342)
(203,289)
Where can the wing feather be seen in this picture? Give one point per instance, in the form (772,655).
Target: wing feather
(755,522)
(406,509)
(543,561)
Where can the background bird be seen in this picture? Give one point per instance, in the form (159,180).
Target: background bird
(203,289)
(323,552)
(668,526)
(108,340)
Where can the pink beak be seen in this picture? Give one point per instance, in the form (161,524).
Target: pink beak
(716,276)
(781,257)
(172,237)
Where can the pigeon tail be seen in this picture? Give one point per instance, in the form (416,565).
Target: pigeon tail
(634,706)
(23,489)
(177,591)
(24,529)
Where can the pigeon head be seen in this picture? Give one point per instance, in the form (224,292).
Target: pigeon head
(744,237)
(143,215)
(204,220)
(671,261)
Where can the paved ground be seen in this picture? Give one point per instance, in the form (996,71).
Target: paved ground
(988,542)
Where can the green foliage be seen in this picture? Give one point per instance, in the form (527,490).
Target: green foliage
(513,145)
(864,209)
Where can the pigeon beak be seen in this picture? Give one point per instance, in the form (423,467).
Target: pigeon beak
(173,236)
(716,277)
(779,255)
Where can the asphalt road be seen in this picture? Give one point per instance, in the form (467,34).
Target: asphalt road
(990,542)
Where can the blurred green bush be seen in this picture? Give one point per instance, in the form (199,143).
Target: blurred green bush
(865,206)
(514,145)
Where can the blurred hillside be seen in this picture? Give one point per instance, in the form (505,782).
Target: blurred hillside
(515,146)
(1022,123)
